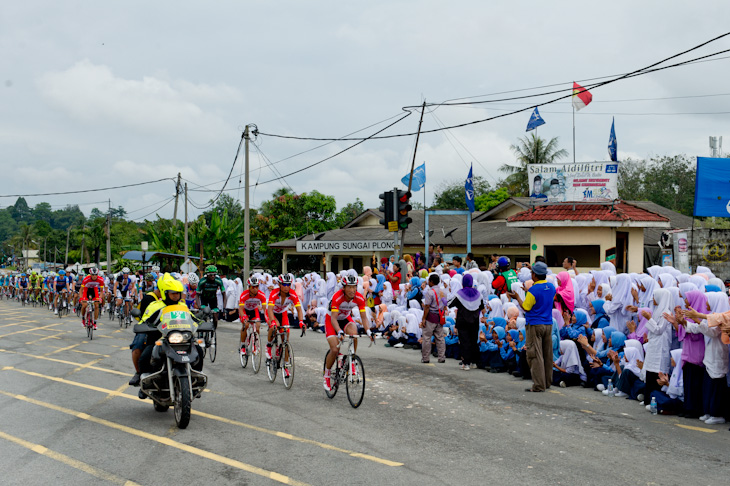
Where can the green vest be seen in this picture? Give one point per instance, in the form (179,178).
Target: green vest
(510,277)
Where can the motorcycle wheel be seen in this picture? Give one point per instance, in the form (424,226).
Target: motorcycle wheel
(160,408)
(182,402)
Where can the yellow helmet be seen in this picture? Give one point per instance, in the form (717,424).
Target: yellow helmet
(169,284)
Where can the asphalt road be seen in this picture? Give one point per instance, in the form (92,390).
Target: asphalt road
(68,417)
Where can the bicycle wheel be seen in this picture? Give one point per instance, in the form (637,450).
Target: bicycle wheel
(334,373)
(213,343)
(355,382)
(273,365)
(287,366)
(254,350)
(243,355)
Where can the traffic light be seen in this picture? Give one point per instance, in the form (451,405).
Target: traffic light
(404,206)
(387,208)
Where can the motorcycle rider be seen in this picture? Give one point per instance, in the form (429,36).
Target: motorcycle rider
(140,340)
(171,291)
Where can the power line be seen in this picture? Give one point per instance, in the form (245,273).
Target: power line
(153,212)
(638,72)
(87,190)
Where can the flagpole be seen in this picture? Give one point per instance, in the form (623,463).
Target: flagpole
(573,133)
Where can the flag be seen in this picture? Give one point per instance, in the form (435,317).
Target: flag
(612,146)
(469,191)
(535,120)
(712,190)
(419,178)
(581,96)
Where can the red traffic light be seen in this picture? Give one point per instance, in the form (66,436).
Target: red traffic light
(404,197)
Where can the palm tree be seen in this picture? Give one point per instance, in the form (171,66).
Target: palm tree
(531,150)
(26,233)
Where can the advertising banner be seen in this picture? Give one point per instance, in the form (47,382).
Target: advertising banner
(712,187)
(315,246)
(580,182)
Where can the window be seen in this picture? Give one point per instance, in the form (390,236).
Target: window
(587,255)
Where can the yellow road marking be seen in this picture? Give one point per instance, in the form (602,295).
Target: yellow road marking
(69,461)
(276,433)
(13,324)
(162,440)
(52,336)
(698,429)
(588,411)
(31,329)
(61,349)
(105,370)
(89,352)
(87,365)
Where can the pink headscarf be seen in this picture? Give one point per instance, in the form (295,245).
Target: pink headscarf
(558,318)
(528,284)
(367,272)
(565,290)
(452,273)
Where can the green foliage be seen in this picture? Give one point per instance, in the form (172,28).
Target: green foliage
(485,202)
(350,212)
(667,180)
(530,150)
(452,195)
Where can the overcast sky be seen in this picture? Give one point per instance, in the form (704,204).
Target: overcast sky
(98,94)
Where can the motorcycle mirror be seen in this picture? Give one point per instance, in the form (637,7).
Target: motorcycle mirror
(206,311)
(136,312)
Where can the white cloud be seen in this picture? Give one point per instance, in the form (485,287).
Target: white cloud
(91,93)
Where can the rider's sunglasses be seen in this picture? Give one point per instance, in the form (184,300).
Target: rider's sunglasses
(286,285)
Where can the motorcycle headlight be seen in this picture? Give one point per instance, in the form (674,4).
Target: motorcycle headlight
(176,338)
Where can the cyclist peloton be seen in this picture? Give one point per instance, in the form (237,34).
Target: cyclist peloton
(95,284)
(123,290)
(60,286)
(23,286)
(339,321)
(35,282)
(208,288)
(281,301)
(251,302)
(191,291)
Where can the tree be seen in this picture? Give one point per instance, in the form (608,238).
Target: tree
(225,203)
(96,238)
(630,180)
(20,211)
(485,202)
(531,150)
(452,195)
(96,214)
(118,213)
(42,211)
(350,212)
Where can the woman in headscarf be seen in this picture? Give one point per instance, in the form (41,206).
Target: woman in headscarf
(490,356)
(568,370)
(669,398)
(600,319)
(331,285)
(468,303)
(564,297)
(628,371)
(658,332)
(666,280)
(414,291)
(618,304)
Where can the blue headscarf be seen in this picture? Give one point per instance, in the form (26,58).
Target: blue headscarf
(515,335)
(712,288)
(499,322)
(618,339)
(601,319)
(492,296)
(415,288)
(556,347)
(500,332)
(522,341)
(580,319)
(380,286)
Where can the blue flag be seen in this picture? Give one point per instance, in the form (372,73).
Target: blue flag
(612,145)
(712,187)
(469,191)
(419,178)
(535,120)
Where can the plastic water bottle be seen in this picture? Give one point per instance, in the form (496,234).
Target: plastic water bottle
(340,359)
(652,406)
(611,390)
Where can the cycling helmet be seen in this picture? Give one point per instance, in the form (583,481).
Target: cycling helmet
(150,277)
(211,269)
(349,280)
(44,274)
(34,272)
(62,272)
(253,281)
(125,270)
(285,279)
(22,275)
(193,279)
(93,271)
(155,268)
(503,262)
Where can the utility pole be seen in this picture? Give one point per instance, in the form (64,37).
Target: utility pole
(83,240)
(45,248)
(177,194)
(410,182)
(246,217)
(186,223)
(68,236)
(108,240)
(55,256)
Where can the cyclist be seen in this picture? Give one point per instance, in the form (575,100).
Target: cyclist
(191,291)
(339,321)
(93,284)
(60,286)
(251,302)
(281,301)
(35,282)
(77,286)
(207,290)
(23,286)
(123,289)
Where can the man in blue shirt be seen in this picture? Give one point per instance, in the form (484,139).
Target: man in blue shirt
(538,306)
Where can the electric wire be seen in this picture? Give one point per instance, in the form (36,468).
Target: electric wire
(153,212)
(88,190)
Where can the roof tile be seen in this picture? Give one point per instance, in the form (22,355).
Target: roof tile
(620,211)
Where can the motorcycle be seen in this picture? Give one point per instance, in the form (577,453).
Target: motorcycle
(175,382)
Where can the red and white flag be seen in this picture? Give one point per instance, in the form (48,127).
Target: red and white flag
(581,96)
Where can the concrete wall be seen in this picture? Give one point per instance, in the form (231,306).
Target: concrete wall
(711,248)
(506,213)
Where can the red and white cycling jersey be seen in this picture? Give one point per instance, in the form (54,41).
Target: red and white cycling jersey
(290,302)
(92,284)
(252,303)
(340,303)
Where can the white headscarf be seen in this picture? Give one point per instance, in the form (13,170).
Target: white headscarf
(631,356)
(676,381)
(570,359)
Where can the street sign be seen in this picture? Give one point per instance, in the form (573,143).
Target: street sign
(392,226)
(188,267)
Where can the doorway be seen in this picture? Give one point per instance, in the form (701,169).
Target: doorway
(622,252)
